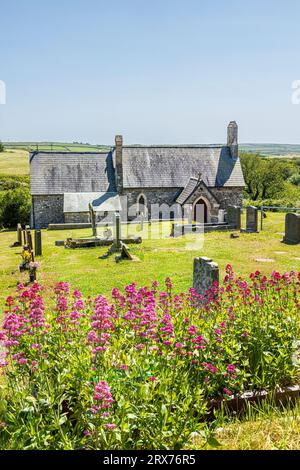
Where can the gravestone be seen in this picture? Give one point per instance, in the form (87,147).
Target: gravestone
(142,220)
(292,228)
(117,235)
(206,274)
(19,233)
(251,219)
(38,243)
(221,216)
(234,217)
(93,220)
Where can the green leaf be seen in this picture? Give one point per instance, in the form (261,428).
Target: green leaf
(213,442)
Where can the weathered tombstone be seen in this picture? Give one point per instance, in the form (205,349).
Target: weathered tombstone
(251,219)
(32,274)
(142,220)
(234,217)
(107,233)
(117,235)
(206,274)
(19,234)
(292,228)
(93,220)
(29,240)
(221,216)
(38,243)
(24,237)
(125,252)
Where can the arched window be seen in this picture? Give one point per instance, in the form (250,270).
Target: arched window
(141,204)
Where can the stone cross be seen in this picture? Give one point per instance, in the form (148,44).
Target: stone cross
(206,274)
(292,228)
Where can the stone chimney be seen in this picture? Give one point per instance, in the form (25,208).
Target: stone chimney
(119,163)
(232,139)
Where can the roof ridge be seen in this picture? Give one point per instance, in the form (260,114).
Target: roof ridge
(176,146)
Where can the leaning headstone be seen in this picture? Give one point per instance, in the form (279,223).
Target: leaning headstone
(125,254)
(251,219)
(38,243)
(206,275)
(234,217)
(292,228)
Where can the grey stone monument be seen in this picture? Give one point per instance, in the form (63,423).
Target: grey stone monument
(234,217)
(93,220)
(206,273)
(117,236)
(292,228)
(19,233)
(38,243)
(251,219)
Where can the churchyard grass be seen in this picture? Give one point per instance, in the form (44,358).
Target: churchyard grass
(158,258)
(267,427)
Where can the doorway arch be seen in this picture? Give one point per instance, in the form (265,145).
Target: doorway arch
(201,213)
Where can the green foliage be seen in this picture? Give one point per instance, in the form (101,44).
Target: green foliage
(1,147)
(264,177)
(13,182)
(15,205)
(295,179)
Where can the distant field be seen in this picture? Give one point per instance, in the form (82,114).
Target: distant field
(54,146)
(273,150)
(14,162)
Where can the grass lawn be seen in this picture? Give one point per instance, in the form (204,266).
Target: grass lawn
(14,162)
(159,258)
(265,428)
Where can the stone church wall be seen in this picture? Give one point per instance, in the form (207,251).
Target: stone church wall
(47,209)
(158,196)
(228,196)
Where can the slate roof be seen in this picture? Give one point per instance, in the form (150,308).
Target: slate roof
(188,190)
(101,202)
(162,166)
(64,172)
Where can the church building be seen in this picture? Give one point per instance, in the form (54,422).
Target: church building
(133,178)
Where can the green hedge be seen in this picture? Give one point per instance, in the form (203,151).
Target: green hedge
(13,182)
(15,206)
(272,202)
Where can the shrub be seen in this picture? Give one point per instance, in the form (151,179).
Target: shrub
(1,147)
(136,373)
(295,179)
(13,182)
(15,207)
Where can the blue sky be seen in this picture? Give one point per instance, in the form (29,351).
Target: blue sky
(163,71)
